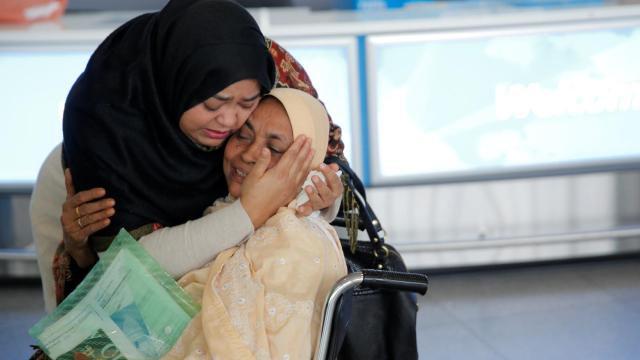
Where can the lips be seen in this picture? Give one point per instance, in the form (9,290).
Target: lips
(238,175)
(215,134)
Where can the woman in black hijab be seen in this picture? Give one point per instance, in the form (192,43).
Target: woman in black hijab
(121,119)
(146,118)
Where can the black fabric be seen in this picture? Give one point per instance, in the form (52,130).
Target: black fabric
(341,317)
(121,118)
(382,323)
(77,274)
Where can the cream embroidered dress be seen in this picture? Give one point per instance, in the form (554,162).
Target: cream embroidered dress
(263,299)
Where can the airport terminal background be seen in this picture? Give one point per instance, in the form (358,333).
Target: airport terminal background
(497,139)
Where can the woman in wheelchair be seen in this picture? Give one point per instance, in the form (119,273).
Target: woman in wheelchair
(263,298)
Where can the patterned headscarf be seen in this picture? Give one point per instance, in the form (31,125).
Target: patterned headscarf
(290,74)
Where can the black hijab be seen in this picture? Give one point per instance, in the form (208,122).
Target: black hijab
(121,118)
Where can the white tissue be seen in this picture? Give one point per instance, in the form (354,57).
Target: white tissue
(302,195)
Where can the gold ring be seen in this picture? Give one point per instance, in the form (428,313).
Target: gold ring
(78,211)
(79,223)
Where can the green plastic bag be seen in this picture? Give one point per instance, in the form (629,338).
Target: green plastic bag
(127,307)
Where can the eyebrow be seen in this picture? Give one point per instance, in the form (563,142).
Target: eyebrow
(227,98)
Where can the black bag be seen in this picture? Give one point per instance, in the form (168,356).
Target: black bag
(370,323)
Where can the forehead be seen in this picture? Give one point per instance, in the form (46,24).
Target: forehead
(270,114)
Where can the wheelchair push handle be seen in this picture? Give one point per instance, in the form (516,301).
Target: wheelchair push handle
(392,280)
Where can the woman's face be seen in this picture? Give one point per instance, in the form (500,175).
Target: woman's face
(212,121)
(268,127)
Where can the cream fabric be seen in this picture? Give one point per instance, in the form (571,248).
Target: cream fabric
(264,298)
(45,209)
(308,117)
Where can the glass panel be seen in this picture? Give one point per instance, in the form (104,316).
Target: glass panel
(329,69)
(504,104)
(33,90)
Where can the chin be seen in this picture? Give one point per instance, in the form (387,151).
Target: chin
(212,143)
(234,191)
(206,141)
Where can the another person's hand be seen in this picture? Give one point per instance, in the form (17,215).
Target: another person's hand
(265,190)
(325,193)
(83,214)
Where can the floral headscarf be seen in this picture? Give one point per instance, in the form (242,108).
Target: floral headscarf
(290,74)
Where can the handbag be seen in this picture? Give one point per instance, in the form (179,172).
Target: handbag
(370,323)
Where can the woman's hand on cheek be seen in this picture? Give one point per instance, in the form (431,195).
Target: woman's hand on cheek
(265,190)
(325,192)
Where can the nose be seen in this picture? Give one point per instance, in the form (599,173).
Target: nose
(251,153)
(228,118)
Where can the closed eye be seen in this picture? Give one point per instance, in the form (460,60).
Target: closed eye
(212,108)
(248,105)
(242,135)
(245,132)
(276,151)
